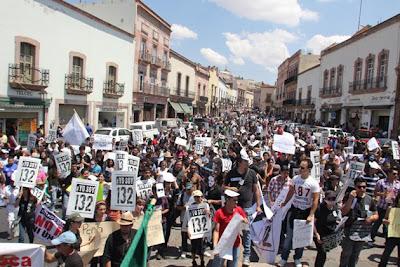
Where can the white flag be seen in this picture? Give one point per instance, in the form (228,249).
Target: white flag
(75,132)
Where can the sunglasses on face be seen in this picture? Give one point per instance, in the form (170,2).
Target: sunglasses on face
(330,198)
(361,186)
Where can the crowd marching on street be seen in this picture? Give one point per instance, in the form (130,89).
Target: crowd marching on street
(234,183)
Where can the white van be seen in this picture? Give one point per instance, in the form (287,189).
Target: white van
(333,132)
(148,128)
(168,123)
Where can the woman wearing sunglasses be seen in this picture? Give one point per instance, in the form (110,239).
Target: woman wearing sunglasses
(327,217)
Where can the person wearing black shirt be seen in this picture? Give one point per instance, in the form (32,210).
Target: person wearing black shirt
(27,205)
(243,180)
(327,218)
(82,159)
(118,242)
(362,212)
(66,255)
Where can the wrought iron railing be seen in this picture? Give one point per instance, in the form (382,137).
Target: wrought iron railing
(364,86)
(113,89)
(25,77)
(78,84)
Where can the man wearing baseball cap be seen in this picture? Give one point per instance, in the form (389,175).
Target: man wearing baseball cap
(66,255)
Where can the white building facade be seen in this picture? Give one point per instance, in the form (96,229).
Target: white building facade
(358,78)
(83,64)
(307,94)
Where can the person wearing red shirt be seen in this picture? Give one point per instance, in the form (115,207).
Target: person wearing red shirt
(222,218)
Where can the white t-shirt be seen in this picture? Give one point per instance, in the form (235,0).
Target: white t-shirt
(303,191)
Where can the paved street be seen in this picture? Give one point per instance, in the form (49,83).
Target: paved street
(368,258)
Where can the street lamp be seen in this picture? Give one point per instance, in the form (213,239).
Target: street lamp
(43,96)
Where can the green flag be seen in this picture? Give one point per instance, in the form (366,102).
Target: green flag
(136,256)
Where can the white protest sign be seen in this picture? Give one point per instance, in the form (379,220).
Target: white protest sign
(21,254)
(315,159)
(110,155)
(51,136)
(121,160)
(268,212)
(225,243)
(180,141)
(31,141)
(63,163)
(144,188)
(102,142)
(301,142)
(123,195)
(133,164)
(155,234)
(284,143)
(122,144)
(160,190)
(302,233)
(324,138)
(207,141)
(198,148)
(199,220)
(27,171)
(226,165)
(356,169)
(47,225)
(182,132)
(349,150)
(137,136)
(318,138)
(38,193)
(82,198)
(395,150)
(372,144)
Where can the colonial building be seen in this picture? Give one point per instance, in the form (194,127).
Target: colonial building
(287,81)
(358,78)
(182,84)
(201,97)
(213,83)
(307,94)
(263,97)
(47,75)
(152,64)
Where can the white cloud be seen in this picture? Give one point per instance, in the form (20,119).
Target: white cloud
(180,32)
(267,49)
(237,60)
(318,42)
(287,12)
(325,1)
(213,57)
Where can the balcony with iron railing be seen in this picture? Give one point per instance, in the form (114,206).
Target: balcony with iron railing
(166,65)
(203,99)
(290,79)
(153,89)
(290,101)
(76,84)
(305,102)
(373,85)
(156,61)
(330,91)
(183,93)
(144,57)
(21,76)
(112,89)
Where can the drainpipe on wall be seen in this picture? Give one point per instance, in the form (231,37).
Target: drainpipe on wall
(396,119)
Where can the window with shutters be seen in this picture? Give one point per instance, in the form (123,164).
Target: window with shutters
(27,62)
(369,75)
(332,80)
(339,82)
(77,71)
(383,58)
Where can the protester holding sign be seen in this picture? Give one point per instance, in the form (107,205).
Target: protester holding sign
(392,241)
(27,205)
(361,210)
(199,224)
(326,220)
(306,198)
(222,218)
(118,242)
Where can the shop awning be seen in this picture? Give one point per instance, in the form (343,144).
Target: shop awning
(177,107)
(186,108)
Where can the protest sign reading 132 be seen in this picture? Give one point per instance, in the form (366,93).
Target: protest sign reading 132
(199,220)
(83,197)
(27,171)
(124,197)
(63,163)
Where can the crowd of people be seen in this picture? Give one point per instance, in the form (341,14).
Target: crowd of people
(239,173)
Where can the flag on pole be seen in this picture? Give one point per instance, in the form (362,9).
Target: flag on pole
(75,132)
(136,256)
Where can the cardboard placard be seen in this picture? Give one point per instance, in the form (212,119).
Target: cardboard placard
(123,195)
(395,150)
(394,225)
(31,141)
(137,136)
(47,224)
(21,254)
(100,231)
(63,163)
(160,190)
(302,233)
(284,143)
(180,141)
(144,188)
(27,171)
(51,136)
(155,234)
(199,223)
(82,198)
(102,142)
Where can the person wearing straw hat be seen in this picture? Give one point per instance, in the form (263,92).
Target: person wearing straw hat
(118,242)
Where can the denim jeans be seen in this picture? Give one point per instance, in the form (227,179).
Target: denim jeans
(28,229)
(287,244)
(350,252)
(246,236)
(219,262)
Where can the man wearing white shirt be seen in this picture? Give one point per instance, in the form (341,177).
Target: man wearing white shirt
(305,191)
(11,194)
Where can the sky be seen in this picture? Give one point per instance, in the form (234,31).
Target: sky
(251,38)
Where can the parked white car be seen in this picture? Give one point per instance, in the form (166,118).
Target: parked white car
(148,128)
(117,133)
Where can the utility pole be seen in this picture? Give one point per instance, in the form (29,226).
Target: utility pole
(359,16)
